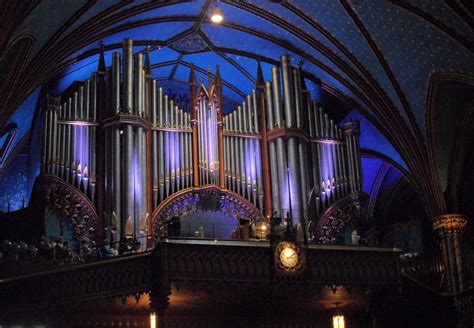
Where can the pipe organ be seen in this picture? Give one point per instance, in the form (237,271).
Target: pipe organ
(128,147)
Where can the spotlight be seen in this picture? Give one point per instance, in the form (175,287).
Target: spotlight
(216,15)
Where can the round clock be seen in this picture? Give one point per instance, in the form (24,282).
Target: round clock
(288,256)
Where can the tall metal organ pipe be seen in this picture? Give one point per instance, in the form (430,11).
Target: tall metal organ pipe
(272,151)
(280,146)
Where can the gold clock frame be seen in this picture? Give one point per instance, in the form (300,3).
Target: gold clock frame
(277,259)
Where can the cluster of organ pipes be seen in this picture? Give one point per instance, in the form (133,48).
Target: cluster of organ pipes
(70,136)
(207,112)
(242,152)
(128,147)
(172,155)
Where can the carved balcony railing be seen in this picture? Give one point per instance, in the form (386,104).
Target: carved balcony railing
(199,263)
(121,276)
(237,262)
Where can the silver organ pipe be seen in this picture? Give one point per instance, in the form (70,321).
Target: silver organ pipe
(54,137)
(127,108)
(127,97)
(257,152)
(78,130)
(313,161)
(171,150)
(47,137)
(161,140)
(166,149)
(280,144)
(44,157)
(302,145)
(61,128)
(155,164)
(67,142)
(272,149)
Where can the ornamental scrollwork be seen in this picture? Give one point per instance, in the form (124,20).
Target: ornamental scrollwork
(71,204)
(336,217)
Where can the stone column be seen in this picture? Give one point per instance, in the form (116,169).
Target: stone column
(449,229)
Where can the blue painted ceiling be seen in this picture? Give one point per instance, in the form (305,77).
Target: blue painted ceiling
(378,56)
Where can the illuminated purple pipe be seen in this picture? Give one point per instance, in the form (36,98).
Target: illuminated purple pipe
(181,136)
(137,186)
(172,149)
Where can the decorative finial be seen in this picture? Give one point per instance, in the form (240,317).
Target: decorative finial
(260,80)
(101,68)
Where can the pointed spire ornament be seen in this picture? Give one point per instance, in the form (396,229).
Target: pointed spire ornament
(101,68)
(147,62)
(260,79)
(192,76)
(218,80)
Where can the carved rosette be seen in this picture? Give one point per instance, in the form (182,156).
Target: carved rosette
(450,224)
(72,204)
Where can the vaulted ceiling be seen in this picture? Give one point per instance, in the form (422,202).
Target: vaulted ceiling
(385,59)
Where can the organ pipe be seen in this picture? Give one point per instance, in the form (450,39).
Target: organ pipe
(127,87)
(155,163)
(276,149)
(272,152)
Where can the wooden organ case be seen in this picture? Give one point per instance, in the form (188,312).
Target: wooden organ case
(120,141)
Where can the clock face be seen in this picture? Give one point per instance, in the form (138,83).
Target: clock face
(288,257)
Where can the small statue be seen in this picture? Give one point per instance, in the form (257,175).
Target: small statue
(355,238)
(199,233)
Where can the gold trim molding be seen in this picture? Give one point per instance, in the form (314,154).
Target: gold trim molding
(451,223)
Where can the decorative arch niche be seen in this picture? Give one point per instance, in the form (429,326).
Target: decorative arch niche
(212,201)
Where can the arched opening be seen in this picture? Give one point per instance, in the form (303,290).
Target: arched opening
(208,212)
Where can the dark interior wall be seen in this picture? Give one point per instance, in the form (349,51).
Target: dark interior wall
(14,183)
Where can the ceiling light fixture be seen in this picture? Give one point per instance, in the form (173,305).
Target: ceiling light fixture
(216,15)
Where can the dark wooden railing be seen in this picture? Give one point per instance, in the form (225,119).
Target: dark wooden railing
(198,262)
(426,269)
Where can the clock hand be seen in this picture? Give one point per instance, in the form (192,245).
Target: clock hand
(289,257)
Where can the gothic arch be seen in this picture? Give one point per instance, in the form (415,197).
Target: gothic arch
(186,201)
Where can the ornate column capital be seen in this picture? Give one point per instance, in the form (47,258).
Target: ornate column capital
(449,223)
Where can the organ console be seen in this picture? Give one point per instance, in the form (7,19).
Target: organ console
(126,145)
